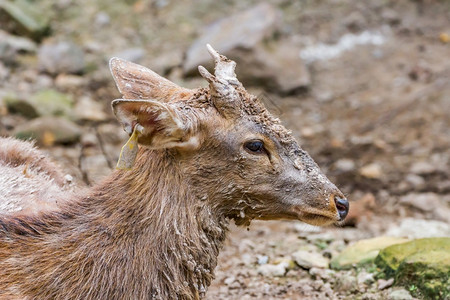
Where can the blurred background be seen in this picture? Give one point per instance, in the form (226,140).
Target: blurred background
(363,85)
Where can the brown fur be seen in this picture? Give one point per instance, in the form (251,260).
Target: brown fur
(154,232)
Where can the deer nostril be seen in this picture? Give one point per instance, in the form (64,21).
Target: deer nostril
(342,206)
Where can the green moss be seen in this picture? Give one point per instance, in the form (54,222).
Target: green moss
(423,265)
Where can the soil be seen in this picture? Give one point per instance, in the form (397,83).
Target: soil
(376,118)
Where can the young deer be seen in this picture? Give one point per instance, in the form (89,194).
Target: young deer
(154,231)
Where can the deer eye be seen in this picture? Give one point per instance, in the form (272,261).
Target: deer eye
(255,146)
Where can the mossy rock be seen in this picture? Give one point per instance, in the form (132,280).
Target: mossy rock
(25,18)
(363,252)
(424,263)
(51,102)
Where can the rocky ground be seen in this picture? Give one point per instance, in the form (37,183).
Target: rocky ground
(364,86)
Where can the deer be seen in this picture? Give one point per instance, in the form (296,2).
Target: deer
(197,160)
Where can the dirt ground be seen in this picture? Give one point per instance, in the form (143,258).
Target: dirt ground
(375,117)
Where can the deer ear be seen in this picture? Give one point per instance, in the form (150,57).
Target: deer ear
(157,124)
(137,82)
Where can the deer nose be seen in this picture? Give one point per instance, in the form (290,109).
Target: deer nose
(342,206)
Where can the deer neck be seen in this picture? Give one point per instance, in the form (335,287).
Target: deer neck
(177,236)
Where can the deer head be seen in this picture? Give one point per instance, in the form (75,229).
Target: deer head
(235,156)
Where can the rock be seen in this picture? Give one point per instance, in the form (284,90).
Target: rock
(112,133)
(24,18)
(11,45)
(61,57)
(270,270)
(363,252)
(20,106)
(355,21)
(345,165)
(324,274)
(400,294)
(384,284)
(423,202)
(68,82)
(324,237)
(346,282)
(131,54)
(48,131)
(424,263)
(372,171)
(51,102)
(242,30)
(94,165)
(308,260)
(263,259)
(102,19)
(418,228)
(390,16)
(275,66)
(423,168)
(87,109)
(416,181)
(229,280)
(365,278)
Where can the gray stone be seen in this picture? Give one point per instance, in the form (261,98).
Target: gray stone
(131,54)
(20,106)
(384,284)
(270,270)
(345,165)
(102,19)
(68,82)
(11,45)
(346,282)
(276,66)
(87,109)
(423,201)
(48,131)
(61,57)
(242,30)
(418,228)
(423,168)
(50,102)
(400,294)
(365,278)
(371,171)
(308,260)
(24,18)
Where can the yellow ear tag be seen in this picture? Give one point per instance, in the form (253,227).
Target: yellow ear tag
(129,151)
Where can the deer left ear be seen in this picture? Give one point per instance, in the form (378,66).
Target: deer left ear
(157,124)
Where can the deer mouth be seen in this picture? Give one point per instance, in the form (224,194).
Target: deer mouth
(314,216)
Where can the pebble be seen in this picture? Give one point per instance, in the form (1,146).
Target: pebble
(384,284)
(308,260)
(263,259)
(270,270)
(423,168)
(49,130)
(87,109)
(61,57)
(345,165)
(372,171)
(365,278)
(400,294)
(419,228)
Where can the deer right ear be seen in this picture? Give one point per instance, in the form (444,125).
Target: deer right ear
(158,124)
